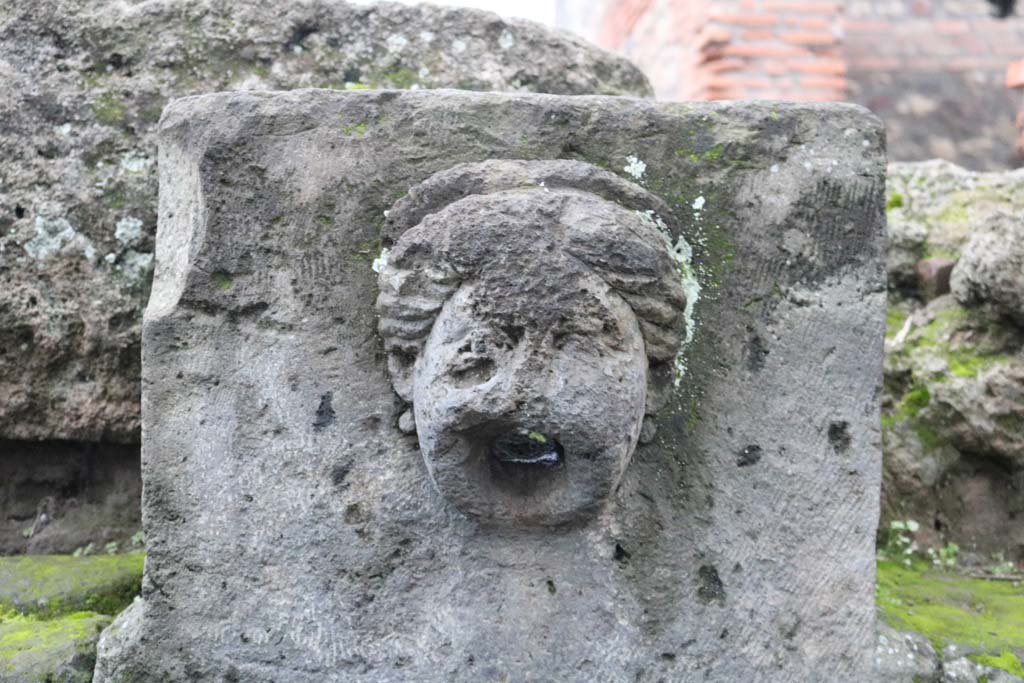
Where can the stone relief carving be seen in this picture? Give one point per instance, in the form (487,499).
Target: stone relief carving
(532,313)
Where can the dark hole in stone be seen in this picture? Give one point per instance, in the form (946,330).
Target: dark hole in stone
(19,211)
(790,633)
(668,656)
(338,474)
(551,586)
(756,352)
(621,555)
(939,526)
(324,412)
(710,588)
(839,435)
(750,455)
(299,34)
(115,60)
(527,450)
(513,332)
(724,634)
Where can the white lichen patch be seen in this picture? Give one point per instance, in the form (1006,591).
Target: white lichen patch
(53,235)
(682,252)
(135,265)
(128,230)
(458,46)
(381,261)
(635,167)
(698,206)
(396,42)
(135,162)
(506,40)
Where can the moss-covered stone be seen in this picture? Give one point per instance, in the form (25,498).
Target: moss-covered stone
(34,650)
(48,585)
(984,619)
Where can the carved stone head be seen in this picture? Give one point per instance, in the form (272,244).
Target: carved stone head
(532,313)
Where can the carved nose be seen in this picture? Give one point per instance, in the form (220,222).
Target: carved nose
(530,449)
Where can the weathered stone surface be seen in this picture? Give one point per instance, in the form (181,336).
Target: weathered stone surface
(961,669)
(293,531)
(953,445)
(905,657)
(59,650)
(991,271)
(84,85)
(953,437)
(935,207)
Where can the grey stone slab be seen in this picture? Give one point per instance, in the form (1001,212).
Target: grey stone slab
(293,531)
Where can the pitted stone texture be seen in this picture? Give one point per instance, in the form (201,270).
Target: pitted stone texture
(292,531)
(934,209)
(953,440)
(905,657)
(991,271)
(84,84)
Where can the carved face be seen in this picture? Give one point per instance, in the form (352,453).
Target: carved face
(531,328)
(529,411)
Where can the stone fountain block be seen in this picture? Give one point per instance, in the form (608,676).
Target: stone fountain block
(296,531)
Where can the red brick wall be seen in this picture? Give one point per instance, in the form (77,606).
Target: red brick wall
(731,49)
(770,49)
(929,35)
(934,70)
(1015,81)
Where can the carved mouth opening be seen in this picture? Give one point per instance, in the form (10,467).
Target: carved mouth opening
(529,450)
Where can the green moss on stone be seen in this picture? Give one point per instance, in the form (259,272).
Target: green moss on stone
(973,614)
(55,584)
(402,78)
(1006,660)
(895,201)
(109,109)
(34,650)
(221,281)
(356,129)
(895,317)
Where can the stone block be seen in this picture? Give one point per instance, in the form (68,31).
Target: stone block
(319,254)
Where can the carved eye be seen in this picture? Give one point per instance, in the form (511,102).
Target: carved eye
(470,369)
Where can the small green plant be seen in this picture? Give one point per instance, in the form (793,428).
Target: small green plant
(27,532)
(84,550)
(899,541)
(138,538)
(944,556)
(1001,566)
(111,548)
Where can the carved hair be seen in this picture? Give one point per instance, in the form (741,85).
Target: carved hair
(604,222)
